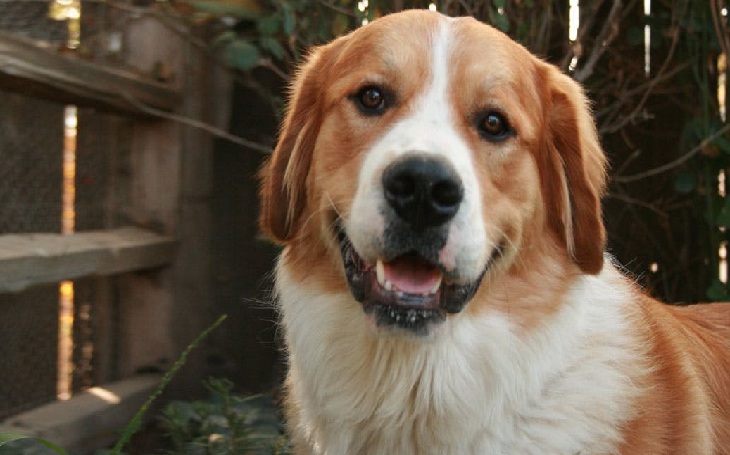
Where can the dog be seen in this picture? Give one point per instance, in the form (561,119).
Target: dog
(443,285)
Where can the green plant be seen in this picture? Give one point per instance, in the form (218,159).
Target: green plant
(134,424)
(136,421)
(226,424)
(7,438)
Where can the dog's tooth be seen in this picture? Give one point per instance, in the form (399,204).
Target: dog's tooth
(388,285)
(436,285)
(380,272)
(412,316)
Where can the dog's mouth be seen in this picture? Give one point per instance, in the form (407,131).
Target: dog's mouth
(407,291)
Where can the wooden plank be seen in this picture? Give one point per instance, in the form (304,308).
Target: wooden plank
(31,259)
(27,68)
(89,420)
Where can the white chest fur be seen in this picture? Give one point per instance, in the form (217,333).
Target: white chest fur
(478,387)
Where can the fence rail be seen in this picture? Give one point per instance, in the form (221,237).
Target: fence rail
(33,259)
(25,67)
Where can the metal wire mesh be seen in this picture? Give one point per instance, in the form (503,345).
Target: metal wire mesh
(101,153)
(31,144)
(31,182)
(31,141)
(100,26)
(30,19)
(103,142)
(83,335)
(28,347)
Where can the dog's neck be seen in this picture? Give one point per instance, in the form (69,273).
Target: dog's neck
(369,381)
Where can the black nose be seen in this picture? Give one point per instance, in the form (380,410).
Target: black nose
(423,191)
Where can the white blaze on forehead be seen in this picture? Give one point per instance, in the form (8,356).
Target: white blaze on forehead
(428,129)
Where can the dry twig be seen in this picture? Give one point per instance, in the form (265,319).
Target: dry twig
(207,127)
(674,163)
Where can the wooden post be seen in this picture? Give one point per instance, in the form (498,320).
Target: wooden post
(170,189)
(153,194)
(207,97)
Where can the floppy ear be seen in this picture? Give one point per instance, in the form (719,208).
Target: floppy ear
(573,172)
(283,190)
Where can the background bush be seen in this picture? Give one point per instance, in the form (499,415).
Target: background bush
(667,142)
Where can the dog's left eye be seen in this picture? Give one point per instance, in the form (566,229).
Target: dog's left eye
(494,127)
(371,100)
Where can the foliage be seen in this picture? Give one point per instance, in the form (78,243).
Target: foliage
(226,424)
(662,129)
(133,425)
(136,421)
(17,441)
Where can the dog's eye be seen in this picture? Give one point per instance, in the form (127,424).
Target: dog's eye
(494,127)
(371,100)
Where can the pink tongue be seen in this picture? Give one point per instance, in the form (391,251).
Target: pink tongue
(411,274)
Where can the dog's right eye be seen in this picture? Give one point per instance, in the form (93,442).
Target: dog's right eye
(494,127)
(371,100)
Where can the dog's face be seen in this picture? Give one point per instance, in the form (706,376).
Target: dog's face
(423,157)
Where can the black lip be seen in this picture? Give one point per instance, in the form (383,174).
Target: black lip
(412,312)
(412,320)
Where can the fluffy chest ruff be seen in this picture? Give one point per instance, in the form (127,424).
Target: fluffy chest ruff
(480,387)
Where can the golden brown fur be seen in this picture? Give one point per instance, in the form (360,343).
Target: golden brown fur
(542,191)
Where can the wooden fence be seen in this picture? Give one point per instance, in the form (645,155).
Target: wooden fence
(140,258)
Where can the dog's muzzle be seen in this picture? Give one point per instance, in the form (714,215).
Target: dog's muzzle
(406,286)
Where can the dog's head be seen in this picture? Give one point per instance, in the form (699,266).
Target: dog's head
(421,154)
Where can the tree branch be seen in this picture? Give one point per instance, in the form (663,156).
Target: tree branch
(197,124)
(675,163)
(608,33)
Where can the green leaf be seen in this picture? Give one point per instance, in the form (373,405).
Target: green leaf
(635,36)
(522,31)
(273,46)
(269,25)
(10,437)
(693,132)
(502,23)
(340,24)
(136,421)
(181,413)
(685,183)
(224,38)
(289,20)
(722,143)
(717,291)
(241,54)
(499,3)
(723,218)
(240,10)
(499,20)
